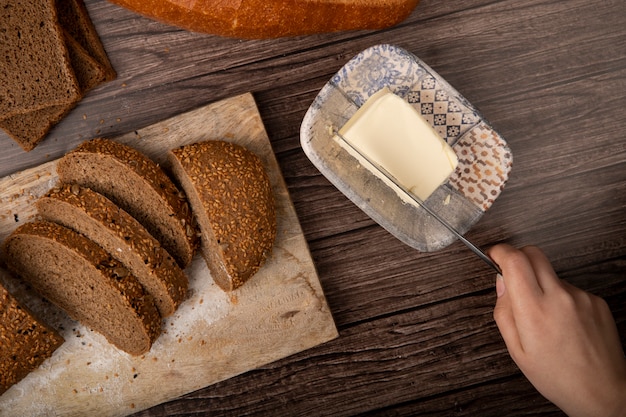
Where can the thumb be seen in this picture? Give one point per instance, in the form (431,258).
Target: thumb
(505,320)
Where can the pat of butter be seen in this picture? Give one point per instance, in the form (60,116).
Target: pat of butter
(391,133)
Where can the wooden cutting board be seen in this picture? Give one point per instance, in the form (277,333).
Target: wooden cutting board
(213,336)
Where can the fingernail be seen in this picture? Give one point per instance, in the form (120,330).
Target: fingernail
(500,288)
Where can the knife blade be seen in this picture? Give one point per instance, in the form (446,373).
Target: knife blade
(482,255)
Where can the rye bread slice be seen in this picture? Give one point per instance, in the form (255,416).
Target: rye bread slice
(139,186)
(87,283)
(124,238)
(25,340)
(232,199)
(29,129)
(74,17)
(35,69)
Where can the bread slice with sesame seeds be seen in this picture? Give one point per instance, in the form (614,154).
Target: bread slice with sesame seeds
(124,238)
(232,199)
(25,340)
(78,276)
(139,186)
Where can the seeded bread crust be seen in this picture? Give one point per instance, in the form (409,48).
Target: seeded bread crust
(139,186)
(25,341)
(82,279)
(231,196)
(124,238)
(32,25)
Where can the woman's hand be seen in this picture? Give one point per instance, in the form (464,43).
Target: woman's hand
(562,338)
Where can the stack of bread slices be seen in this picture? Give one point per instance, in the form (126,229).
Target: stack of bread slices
(52,56)
(112,239)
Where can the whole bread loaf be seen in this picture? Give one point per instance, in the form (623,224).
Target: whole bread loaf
(78,276)
(139,186)
(124,238)
(231,196)
(273,18)
(25,341)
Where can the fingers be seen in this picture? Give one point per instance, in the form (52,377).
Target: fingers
(505,320)
(518,272)
(546,277)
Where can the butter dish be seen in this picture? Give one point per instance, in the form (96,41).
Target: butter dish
(484,158)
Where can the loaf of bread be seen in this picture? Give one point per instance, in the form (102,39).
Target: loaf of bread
(96,217)
(25,341)
(232,199)
(78,276)
(139,186)
(273,18)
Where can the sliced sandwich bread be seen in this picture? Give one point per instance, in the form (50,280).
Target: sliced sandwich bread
(139,186)
(74,17)
(124,238)
(43,76)
(28,129)
(78,276)
(232,199)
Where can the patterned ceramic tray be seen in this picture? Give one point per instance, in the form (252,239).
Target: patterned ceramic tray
(484,157)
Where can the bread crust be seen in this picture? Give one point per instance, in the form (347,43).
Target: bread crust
(232,199)
(82,279)
(124,238)
(25,341)
(259,19)
(139,186)
(28,129)
(33,25)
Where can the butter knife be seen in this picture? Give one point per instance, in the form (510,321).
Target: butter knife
(482,255)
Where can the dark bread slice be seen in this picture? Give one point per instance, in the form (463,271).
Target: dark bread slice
(82,279)
(124,238)
(25,341)
(43,76)
(74,17)
(28,129)
(231,197)
(139,186)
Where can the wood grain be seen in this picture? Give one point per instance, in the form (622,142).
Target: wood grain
(549,75)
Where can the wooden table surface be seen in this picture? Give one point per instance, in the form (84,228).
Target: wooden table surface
(417,336)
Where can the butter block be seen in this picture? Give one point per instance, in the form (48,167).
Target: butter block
(391,133)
